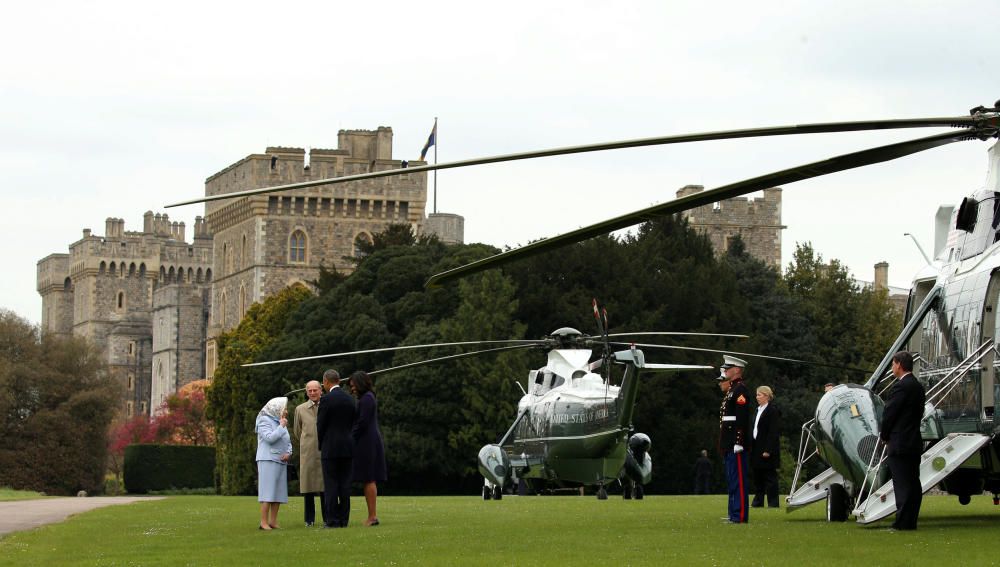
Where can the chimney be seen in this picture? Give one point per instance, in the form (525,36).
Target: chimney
(181,231)
(881,276)
(109,227)
(147,222)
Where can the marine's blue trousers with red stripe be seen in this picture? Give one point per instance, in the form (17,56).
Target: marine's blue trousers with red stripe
(737,477)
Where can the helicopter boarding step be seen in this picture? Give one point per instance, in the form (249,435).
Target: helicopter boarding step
(935,464)
(814,489)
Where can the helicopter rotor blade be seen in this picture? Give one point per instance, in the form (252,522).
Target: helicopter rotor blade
(679,334)
(751,354)
(820,128)
(391,349)
(450,357)
(783,177)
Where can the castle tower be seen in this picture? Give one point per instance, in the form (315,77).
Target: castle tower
(756,221)
(105,288)
(264,243)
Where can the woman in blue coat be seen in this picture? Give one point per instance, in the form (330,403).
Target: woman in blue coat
(369,452)
(274,450)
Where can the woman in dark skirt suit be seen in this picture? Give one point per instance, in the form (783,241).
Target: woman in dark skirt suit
(369,452)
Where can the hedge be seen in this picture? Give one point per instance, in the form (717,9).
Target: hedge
(166,467)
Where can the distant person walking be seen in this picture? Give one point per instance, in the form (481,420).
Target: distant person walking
(274,450)
(310,463)
(702,473)
(334,420)
(900,430)
(734,436)
(369,451)
(765,457)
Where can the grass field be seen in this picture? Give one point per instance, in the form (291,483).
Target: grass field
(7,494)
(558,530)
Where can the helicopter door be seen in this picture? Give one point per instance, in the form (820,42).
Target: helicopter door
(991,324)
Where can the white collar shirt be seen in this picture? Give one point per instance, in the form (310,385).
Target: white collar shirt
(760,411)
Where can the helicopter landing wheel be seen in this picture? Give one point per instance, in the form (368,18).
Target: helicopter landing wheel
(602,494)
(487,493)
(497,492)
(837,503)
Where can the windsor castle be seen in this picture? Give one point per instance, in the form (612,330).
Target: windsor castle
(155,303)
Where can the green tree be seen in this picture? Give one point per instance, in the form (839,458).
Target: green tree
(57,403)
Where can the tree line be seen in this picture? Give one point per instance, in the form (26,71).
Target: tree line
(435,418)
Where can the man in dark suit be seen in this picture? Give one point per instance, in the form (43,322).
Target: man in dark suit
(334,420)
(734,436)
(900,430)
(766,453)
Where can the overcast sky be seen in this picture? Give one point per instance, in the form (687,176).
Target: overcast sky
(115,108)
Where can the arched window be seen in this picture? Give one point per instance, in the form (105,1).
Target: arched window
(67,284)
(190,276)
(103,268)
(208,275)
(131,270)
(163,276)
(297,247)
(142,270)
(121,300)
(111,269)
(362,242)
(171,275)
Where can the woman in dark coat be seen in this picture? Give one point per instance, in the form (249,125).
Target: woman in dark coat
(765,454)
(369,452)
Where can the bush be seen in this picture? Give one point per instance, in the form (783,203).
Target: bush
(168,467)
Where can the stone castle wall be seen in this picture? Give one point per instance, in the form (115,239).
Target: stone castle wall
(756,221)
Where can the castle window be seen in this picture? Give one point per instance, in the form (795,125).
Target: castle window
(286,205)
(199,275)
(324,206)
(208,275)
(300,205)
(67,285)
(377,209)
(313,205)
(131,381)
(131,348)
(364,208)
(171,275)
(121,300)
(351,207)
(717,206)
(404,209)
(163,275)
(297,247)
(131,270)
(190,276)
(112,270)
(142,270)
(272,205)
(362,242)
(225,259)
(390,209)
(142,406)
(243,253)
(338,207)
(129,411)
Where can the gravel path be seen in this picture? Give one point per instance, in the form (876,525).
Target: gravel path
(18,515)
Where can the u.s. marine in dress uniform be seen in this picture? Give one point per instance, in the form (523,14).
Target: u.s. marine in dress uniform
(734,436)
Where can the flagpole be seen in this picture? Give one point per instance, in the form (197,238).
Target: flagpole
(435,163)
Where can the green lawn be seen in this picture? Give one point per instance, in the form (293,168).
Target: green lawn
(557,530)
(7,494)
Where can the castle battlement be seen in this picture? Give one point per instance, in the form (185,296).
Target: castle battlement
(756,220)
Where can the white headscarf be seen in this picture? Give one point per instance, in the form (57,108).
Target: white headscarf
(273,408)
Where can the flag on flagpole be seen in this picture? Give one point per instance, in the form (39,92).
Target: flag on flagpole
(431,140)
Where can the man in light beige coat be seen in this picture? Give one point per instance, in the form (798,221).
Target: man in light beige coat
(310,466)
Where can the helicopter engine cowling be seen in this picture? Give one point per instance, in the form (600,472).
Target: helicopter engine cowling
(847,431)
(638,464)
(494,464)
